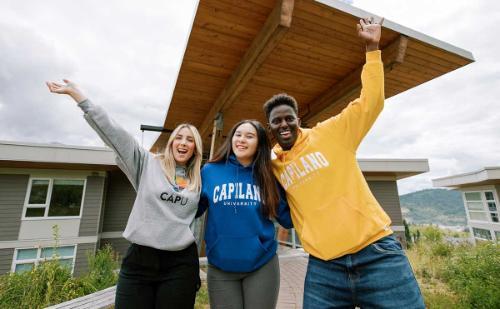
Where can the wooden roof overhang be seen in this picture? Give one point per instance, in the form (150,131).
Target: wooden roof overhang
(240,53)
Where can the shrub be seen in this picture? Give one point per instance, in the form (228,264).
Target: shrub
(102,269)
(441,249)
(37,288)
(432,234)
(51,283)
(473,274)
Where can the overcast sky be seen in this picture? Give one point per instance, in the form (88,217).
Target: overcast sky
(126,56)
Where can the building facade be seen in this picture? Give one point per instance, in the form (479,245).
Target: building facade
(480,193)
(77,197)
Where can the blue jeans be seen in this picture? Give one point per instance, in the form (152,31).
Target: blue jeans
(378,276)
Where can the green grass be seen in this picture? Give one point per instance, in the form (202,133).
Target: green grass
(461,276)
(202,298)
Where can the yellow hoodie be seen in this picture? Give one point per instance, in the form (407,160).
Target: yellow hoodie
(333,209)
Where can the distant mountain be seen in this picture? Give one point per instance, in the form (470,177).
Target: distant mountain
(436,206)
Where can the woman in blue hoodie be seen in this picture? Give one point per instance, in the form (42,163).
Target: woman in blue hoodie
(242,197)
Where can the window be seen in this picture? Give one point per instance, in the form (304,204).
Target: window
(492,206)
(26,259)
(482,206)
(481,233)
(54,198)
(497,235)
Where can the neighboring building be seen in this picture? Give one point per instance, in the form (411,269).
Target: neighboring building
(82,191)
(480,193)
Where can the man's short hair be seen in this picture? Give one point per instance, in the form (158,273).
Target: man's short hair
(280,99)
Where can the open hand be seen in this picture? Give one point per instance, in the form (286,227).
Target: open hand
(68,88)
(369,31)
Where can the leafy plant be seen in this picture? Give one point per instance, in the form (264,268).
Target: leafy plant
(473,273)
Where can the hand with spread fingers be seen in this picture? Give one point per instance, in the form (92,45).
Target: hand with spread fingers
(369,31)
(68,88)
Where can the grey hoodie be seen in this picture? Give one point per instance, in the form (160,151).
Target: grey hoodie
(162,215)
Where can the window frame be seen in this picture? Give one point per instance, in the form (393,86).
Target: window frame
(479,228)
(484,201)
(46,206)
(39,258)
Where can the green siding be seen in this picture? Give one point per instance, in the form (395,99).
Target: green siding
(92,204)
(386,193)
(6,256)
(120,245)
(12,194)
(120,198)
(81,261)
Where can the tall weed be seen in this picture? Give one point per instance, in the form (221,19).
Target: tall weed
(51,283)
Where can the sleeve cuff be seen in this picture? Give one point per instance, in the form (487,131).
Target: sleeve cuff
(85,105)
(375,55)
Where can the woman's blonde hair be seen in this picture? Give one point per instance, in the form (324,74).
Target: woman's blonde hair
(193,165)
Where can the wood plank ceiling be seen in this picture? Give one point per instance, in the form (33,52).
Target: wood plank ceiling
(240,53)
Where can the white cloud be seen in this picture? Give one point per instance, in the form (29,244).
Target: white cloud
(124,54)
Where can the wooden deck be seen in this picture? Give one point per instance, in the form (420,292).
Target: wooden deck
(101,299)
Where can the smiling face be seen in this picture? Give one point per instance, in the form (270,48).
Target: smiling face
(183,146)
(244,143)
(284,125)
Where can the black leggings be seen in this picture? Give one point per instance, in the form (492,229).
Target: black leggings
(152,278)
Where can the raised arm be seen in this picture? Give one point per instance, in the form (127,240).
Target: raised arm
(369,31)
(356,119)
(130,155)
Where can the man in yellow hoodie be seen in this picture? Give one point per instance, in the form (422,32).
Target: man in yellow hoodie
(354,259)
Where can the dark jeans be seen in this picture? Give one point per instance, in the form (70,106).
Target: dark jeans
(152,278)
(378,276)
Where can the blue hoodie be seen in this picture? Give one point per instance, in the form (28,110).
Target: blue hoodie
(238,237)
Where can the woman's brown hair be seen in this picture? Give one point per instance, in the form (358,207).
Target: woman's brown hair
(261,166)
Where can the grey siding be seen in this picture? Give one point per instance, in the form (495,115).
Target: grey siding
(12,194)
(92,206)
(120,245)
(386,193)
(120,198)
(81,261)
(497,188)
(104,198)
(6,256)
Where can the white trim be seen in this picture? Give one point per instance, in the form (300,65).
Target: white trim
(484,202)
(381,178)
(38,258)
(115,234)
(398,228)
(399,28)
(52,173)
(49,173)
(51,153)
(489,231)
(394,165)
(9,244)
(48,199)
(487,174)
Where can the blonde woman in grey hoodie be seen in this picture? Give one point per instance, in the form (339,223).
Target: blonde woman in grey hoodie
(160,268)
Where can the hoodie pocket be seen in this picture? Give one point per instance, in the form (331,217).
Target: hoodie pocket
(337,228)
(232,253)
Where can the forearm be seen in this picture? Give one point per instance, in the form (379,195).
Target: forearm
(371,47)
(77,95)
(130,153)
